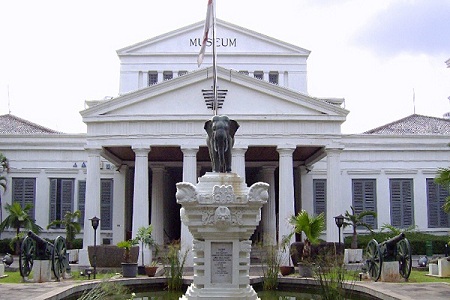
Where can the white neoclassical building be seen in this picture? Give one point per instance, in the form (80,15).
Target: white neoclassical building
(141,143)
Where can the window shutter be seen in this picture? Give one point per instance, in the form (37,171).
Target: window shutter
(53,197)
(364,198)
(106,204)
(67,191)
(436,194)
(24,192)
(408,213)
(320,196)
(402,213)
(81,200)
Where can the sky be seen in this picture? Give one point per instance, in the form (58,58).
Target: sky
(385,57)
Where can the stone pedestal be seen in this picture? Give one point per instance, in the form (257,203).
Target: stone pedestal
(221,213)
(42,270)
(390,272)
(441,269)
(2,270)
(353,256)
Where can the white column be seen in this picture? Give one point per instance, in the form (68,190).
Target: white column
(157,218)
(238,161)
(189,175)
(92,203)
(333,193)
(268,210)
(286,192)
(140,195)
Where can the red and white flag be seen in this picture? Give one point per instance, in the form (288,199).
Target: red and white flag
(208,24)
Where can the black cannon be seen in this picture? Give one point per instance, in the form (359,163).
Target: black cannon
(394,249)
(35,248)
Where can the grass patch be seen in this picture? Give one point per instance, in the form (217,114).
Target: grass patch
(14,276)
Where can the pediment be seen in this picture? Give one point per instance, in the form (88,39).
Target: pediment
(246,97)
(230,39)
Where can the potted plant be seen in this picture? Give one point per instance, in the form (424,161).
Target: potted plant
(312,227)
(129,268)
(144,237)
(285,269)
(355,220)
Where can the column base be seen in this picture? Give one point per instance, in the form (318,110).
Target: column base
(83,258)
(221,293)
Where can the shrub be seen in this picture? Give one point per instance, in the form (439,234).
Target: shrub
(4,246)
(417,240)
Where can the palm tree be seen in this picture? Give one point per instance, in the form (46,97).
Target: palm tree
(357,220)
(70,224)
(443,179)
(19,218)
(311,226)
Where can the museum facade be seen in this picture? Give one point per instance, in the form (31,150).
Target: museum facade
(140,144)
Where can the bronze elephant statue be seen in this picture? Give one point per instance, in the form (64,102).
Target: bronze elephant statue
(220,140)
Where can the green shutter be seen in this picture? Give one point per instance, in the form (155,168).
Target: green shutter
(106,197)
(81,200)
(320,196)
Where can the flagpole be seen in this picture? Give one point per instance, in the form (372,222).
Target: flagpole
(216,103)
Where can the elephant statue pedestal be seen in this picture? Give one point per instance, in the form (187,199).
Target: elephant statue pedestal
(221,213)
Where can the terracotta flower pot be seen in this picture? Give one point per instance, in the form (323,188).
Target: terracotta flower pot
(286,270)
(151,270)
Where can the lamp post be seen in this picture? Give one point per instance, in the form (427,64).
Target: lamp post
(339,222)
(95,221)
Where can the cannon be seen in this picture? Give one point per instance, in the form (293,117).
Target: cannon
(397,248)
(35,248)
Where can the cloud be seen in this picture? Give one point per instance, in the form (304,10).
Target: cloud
(415,27)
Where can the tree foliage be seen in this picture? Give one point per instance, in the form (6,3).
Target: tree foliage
(443,179)
(357,220)
(70,224)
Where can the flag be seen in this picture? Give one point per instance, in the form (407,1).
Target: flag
(208,24)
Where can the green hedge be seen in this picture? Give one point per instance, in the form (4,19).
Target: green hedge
(4,246)
(417,240)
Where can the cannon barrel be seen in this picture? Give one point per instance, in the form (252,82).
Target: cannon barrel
(40,242)
(393,241)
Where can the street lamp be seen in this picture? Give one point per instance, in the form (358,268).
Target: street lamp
(95,221)
(339,222)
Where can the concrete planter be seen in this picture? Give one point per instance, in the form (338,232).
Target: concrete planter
(129,270)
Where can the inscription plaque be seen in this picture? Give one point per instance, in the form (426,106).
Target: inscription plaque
(221,262)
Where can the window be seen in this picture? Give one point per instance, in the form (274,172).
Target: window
(402,200)
(24,192)
(436,194)
(181,73)
(81,200)
(273,77)
(364,198)
(167,75)
(320,196)
(152,77)
(106,201)
(61,198)
(258,75)
(244,72)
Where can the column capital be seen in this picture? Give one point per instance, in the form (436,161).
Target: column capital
(239,149)
(189,150)
(268,168)
(285,150)
(141,150)
(93,150)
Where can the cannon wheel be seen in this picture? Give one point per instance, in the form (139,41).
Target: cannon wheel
(26,257)
(59,257)
(374,260)
(404,258)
